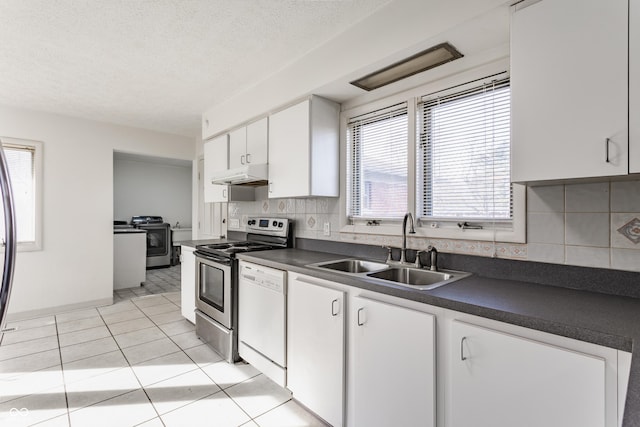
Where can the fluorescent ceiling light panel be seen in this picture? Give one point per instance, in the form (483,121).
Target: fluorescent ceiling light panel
(425,60)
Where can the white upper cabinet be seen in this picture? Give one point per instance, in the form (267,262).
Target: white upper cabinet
(634,87)
(303,150)
(249,144)
(215,159)
(258,141)
(237,147)
(569,83)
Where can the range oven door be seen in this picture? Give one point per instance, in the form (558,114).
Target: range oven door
(158,244)
(213,288)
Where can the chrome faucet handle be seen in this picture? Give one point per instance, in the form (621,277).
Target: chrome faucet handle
(418,262)
(434,258)
(389,254)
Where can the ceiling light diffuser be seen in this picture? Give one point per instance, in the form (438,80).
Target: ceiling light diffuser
(425,60)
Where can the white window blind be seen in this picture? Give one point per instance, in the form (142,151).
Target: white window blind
(464,155)
(21,165)
(377,164)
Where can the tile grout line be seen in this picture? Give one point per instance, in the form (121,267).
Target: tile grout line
(180,349)
(64,380)
(223,390)
(197,366)
(136,377)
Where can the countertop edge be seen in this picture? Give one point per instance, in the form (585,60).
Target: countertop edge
(624,342)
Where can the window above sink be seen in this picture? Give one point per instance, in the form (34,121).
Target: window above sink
(405,155)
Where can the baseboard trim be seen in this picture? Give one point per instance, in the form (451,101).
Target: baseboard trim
(32,314)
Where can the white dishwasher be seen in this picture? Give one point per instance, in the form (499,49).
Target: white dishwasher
(262,319)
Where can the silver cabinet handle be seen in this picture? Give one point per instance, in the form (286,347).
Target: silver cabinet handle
(242,159)
(335,311)
(606,146)
(271,187)
(248,157)
(224,193)
(462,356)
(360,310)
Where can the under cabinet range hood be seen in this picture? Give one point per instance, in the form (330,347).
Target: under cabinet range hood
(250,174)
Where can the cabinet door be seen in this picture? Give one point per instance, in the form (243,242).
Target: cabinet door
(257,142)
(289,152)
(393,363)
(503,380)
(315,347)
(569,90)
(634,87)
(215,160)
(188,283)
(237,148)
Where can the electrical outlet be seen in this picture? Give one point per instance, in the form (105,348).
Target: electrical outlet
(234,223)
(327,229)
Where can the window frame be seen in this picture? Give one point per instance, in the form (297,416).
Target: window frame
(37,147)
(514,233)
(390,111)
(458,94)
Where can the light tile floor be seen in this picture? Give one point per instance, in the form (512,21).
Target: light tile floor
(157,281)
(133,363)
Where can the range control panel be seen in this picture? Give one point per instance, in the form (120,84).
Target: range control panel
(273,226)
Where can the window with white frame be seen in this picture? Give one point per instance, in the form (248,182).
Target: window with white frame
(24,164)
(463,159)
(378,163)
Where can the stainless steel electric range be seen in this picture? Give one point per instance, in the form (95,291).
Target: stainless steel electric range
(217,281)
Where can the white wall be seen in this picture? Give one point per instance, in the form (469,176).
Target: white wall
(75,266)
(395,31)
(151,188)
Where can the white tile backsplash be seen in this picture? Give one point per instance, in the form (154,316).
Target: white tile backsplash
(573,224)
(618,239)
(587,229)
(625,196)
(587,256)
(543,252)
(545,199)
(545,227)
(587,197)
(625,259)
(311,206)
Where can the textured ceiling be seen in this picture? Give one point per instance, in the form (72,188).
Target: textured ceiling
(155,64)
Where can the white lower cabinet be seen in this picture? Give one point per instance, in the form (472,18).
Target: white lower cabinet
(382,351)
(393,363)
(498,379)
(316,346)
(188,283)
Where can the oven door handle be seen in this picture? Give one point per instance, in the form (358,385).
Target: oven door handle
(209,257)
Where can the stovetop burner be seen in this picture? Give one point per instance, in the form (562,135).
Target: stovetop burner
(263,234)
(229,248)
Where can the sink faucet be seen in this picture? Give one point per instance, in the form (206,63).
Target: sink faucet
(412,230)
(434,258)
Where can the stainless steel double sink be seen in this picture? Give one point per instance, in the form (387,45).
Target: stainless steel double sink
(412,277)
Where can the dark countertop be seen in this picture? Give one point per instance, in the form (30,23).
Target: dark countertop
(608,320)
(194,243)
(128,231)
